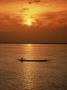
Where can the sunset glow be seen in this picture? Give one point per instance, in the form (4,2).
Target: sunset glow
(33,21)
(28,21)
(30,14)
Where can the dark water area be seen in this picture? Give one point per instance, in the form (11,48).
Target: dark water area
(33,75)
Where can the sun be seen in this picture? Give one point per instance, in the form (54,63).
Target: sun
(31,14)
(28,22)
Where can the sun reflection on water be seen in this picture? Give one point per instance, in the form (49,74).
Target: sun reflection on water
(28,51)
(32,52)
(29,45)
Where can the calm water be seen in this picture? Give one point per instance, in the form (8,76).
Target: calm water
(51,75)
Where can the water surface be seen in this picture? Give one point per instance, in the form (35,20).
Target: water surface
(51,75)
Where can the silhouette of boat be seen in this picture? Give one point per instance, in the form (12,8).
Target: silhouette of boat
(25,60)
(21,59)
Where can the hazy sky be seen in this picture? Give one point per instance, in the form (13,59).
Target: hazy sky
(33,21)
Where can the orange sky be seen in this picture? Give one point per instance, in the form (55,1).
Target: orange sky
(46,15)
(31,12)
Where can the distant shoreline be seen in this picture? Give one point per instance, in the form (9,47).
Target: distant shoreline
(30,43)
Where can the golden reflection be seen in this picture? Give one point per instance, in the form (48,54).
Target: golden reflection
(28,51)
(27,72)
(30,45)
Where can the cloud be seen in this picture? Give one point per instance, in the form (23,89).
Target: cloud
(49,20)
(9,22)
(36,0)
(52,27)
(54,19)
